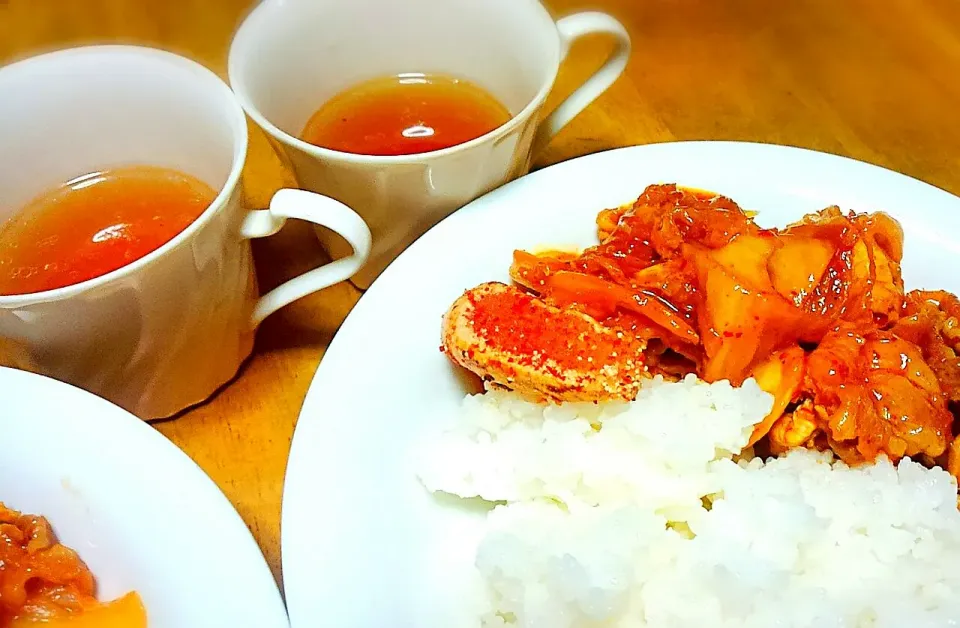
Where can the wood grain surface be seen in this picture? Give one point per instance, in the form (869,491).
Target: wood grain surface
(877,80)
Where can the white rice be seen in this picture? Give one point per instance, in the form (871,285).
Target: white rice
(606,524)
(655,452)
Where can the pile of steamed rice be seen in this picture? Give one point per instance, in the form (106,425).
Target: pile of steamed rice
(649,514)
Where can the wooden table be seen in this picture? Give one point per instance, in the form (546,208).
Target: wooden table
(878,80)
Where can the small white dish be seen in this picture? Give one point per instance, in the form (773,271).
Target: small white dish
(139,512)
(363,543)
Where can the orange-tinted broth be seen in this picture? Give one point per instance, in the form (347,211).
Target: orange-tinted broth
(404,115)
(95,224)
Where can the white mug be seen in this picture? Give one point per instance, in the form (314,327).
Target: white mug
(165,331)
(290,56)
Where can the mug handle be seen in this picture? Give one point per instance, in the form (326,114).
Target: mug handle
(320,210)
(572,28)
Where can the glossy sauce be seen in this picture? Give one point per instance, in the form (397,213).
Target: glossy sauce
(405,114)
(95,224)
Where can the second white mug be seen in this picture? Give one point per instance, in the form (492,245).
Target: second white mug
(166,330)
(290,56)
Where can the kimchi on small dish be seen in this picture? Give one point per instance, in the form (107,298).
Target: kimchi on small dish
(44,583)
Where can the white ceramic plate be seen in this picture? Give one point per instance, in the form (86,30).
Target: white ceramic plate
(140,513)
(364,545)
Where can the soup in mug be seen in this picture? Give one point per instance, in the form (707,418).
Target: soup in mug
(95,224)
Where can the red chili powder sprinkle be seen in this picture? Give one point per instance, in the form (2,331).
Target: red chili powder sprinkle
(531,332)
